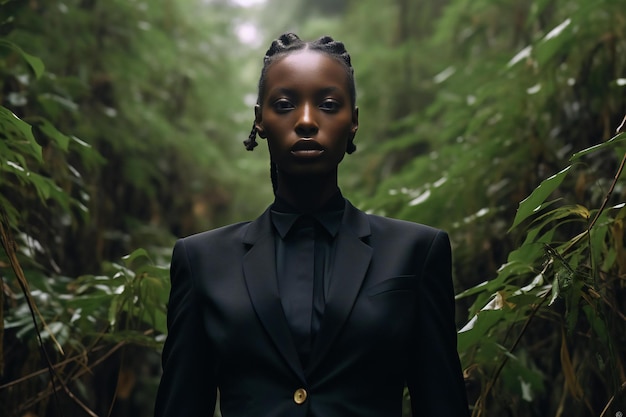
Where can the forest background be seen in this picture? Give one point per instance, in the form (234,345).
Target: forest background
(121,128)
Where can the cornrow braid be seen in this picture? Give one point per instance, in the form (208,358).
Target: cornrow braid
(251,142)
(285,42)
(290,42)
(335,48)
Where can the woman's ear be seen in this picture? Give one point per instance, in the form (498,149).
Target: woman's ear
(355,121)
(351,147)
(258,122)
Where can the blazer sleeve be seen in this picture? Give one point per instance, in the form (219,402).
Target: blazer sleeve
(188,386)
(435,379)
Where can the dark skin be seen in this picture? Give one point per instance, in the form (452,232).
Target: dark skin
(308,119)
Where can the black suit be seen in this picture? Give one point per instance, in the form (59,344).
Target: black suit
(388,321)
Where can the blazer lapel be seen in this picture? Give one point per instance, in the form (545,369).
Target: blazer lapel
(352,260)
(259,268)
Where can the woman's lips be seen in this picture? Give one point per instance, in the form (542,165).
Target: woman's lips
(307,153)
(307,148)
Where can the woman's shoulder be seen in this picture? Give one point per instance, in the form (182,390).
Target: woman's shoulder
(383,227)
(400,226)
(218,236)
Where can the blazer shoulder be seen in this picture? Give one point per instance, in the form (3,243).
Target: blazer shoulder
(220,236)
(397,226)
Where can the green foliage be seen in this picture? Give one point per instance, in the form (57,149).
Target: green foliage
(34,62)
(124,304)
(149,95)
(568,272)
(89,319)
(81,316)
(22,163)
(132,132)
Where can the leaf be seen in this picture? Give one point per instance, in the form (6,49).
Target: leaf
(556,290)
(42,186)
(597,240)
(44,126)
(14,126)
(572,288)
(483,286)
(551,217)
(554,42)
(476,329)
(137,253)
(520,262)
(597,323)
(529,205)
(35,63)
(609,143)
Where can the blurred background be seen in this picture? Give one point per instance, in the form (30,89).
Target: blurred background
(121,129)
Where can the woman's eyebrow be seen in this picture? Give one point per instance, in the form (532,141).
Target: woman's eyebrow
(289,90)
(282,91)
(327,90)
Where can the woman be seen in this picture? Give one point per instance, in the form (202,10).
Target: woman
(315,308)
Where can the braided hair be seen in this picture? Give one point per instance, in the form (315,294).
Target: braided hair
(290,42)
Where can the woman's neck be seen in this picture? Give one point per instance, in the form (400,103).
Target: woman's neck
(307,193)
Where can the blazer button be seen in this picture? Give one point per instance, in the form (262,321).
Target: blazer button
(299,396)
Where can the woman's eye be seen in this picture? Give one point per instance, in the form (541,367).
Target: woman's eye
(283,105)
(330,105)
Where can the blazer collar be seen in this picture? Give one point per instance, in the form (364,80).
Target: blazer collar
(354,221)
(353,256)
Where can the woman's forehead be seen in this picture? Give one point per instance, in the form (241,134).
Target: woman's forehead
(306,66)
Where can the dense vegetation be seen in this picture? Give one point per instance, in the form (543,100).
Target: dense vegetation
(121,125)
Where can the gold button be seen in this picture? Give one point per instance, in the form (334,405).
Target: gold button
(299,396)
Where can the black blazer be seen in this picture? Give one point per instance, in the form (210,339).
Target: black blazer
(388,322)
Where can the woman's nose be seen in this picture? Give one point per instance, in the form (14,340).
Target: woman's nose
(306,125)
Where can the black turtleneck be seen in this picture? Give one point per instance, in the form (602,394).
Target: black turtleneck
(305,244)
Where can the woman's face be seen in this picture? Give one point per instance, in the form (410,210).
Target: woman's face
(306,113)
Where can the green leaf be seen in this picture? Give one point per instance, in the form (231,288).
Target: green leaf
(43,185)
(609,143)
(35,63)
(555,216)
(137,253)
(42,125)
(476,329)
(597,237)
(530,204)
(572,297)
(555,41)
(556,290)
(598,325)
(17,129)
